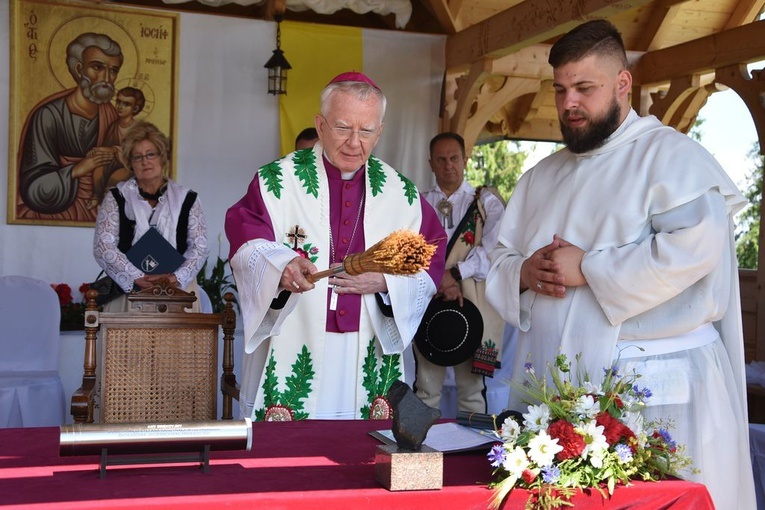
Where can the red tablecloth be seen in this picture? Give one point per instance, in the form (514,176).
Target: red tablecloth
(310,464)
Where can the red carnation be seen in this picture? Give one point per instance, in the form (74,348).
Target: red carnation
(64,292)
(85,287)
(469,238)
(614,430)
(528,476)
(572,443)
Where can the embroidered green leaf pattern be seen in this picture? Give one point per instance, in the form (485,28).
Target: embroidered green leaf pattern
(299,383)
(376,175)
(489,344)
(298,386)
(305,169)
(271,394)
(389,372)
(375,382)
(272,175)
(370,371)
(410,190)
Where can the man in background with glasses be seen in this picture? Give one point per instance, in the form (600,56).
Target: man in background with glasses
(329,349)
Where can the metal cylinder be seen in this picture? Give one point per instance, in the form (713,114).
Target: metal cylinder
(91,439)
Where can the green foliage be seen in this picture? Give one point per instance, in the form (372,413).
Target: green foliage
(272,175)
(377,382)
(369,382)
(270,391)
(299,383)
(298,387)
(501,166)
(410,190)
(305,169)
(217,284)
(376,175)
(748,221)
(389,371)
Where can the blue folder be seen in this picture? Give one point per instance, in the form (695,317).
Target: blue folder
(152,254)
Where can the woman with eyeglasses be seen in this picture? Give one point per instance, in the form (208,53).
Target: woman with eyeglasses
(149,200)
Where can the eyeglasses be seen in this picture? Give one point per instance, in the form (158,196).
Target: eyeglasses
(149,156)
(345,133)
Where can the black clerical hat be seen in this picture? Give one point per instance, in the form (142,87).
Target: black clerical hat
(449,333)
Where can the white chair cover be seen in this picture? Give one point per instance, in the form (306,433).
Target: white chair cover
(31,393)
(205,304)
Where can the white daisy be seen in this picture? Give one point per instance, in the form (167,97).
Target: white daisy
(537,418)
(542,449)
(510,430)
(595,443)
(586,407)
(515,462)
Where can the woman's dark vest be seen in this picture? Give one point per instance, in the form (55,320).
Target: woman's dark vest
(127,226)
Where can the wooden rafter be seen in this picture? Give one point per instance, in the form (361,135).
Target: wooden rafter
(443,15)
(492,100)
(738,45)
(532,22)
(746,12)
(659,25)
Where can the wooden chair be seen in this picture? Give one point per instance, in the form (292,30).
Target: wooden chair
(158,362)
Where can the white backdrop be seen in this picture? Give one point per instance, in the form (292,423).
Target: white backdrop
(228,127)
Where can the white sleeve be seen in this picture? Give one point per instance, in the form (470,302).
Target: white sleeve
(105,246)
(685,245)
(257,267)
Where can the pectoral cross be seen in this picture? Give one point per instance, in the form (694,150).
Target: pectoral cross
(296,236)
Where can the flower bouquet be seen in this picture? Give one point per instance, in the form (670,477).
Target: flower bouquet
(72,313)
(581,436)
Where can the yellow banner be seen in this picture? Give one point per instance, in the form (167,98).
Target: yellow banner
(317,53)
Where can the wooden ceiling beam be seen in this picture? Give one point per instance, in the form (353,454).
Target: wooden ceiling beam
(746,11)
(525,24)
(738,45)
(442,13)
(455,6)
(659,25)
(530,62)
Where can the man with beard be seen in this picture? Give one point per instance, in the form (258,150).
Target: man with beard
(62,142)
(620,248)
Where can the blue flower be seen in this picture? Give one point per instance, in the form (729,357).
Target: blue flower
(551,474)
(624,452)
(667,438)
(643,394)
(613,371)
(496,455)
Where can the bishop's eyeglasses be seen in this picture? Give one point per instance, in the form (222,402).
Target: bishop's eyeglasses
(345,133)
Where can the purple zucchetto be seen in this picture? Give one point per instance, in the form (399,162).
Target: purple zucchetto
(354,76)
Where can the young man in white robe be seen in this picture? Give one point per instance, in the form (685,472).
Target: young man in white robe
(329,349)
(620,247)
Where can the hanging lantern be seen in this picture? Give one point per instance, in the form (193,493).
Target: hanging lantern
(277,65)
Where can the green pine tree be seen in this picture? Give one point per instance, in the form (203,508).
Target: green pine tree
(496,164)
(748,221)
